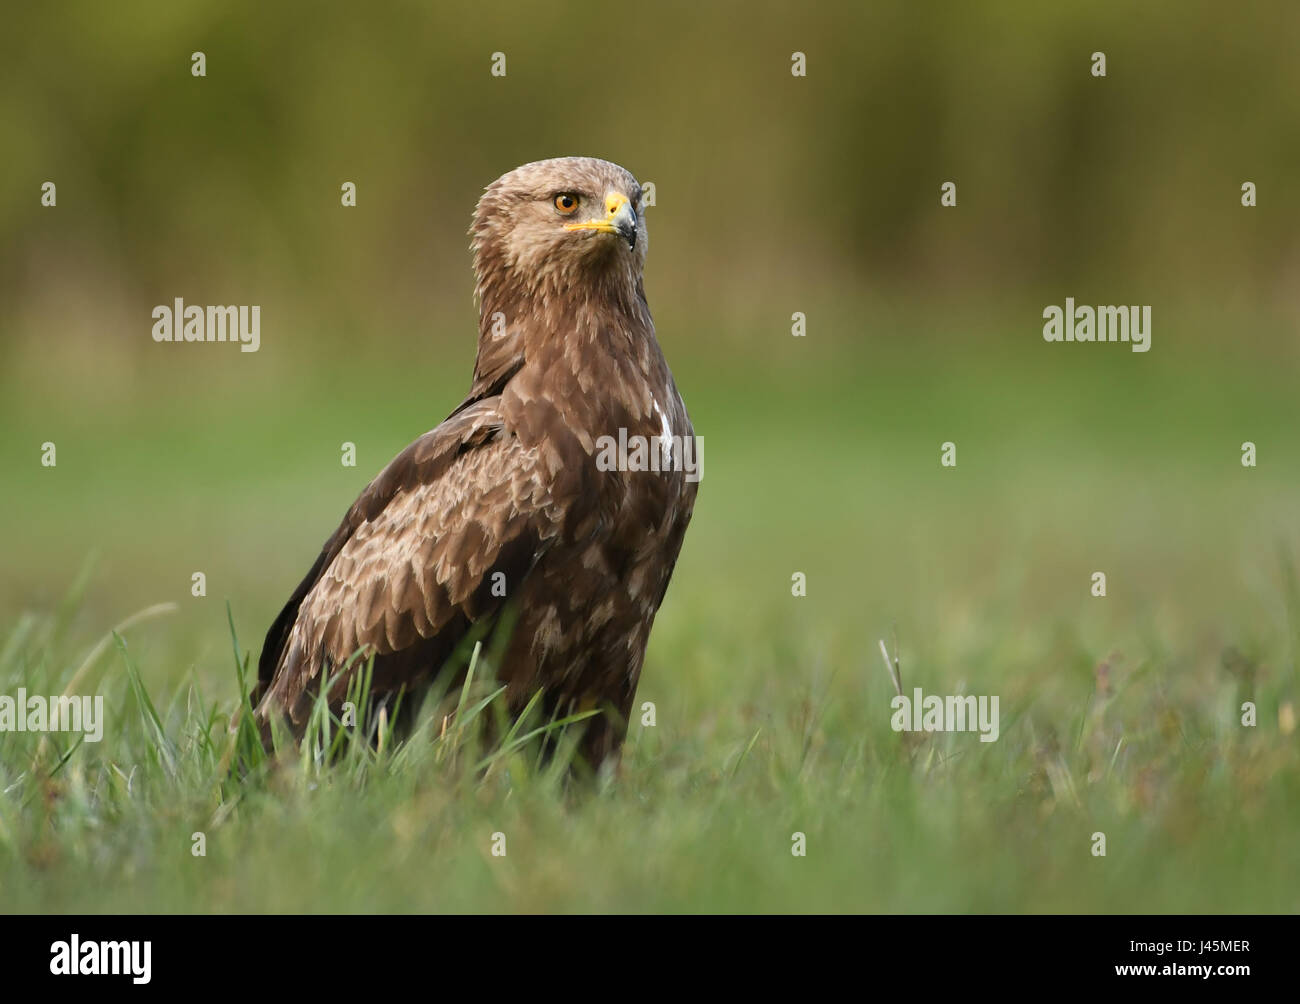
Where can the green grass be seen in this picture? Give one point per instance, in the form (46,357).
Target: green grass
(772,712)
(1199,814)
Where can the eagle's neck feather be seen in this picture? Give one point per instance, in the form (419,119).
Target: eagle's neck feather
(580,326)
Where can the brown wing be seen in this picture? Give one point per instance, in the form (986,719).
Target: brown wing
(412,565)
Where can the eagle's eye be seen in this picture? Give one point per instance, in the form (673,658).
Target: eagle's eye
(566,203)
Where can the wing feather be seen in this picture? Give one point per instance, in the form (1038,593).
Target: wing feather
(415,556)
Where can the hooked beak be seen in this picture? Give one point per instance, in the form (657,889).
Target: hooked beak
(620,219)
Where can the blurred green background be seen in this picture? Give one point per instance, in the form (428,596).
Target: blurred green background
(775,194)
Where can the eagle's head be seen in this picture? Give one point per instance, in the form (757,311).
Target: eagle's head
(557,227)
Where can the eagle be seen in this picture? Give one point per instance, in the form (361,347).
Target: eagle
(507,502)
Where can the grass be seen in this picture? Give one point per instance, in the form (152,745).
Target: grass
(1118,715)
(1199,813)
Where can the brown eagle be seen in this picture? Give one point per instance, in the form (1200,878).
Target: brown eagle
(508,500)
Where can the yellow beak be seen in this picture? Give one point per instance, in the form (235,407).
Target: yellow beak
(620,218)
